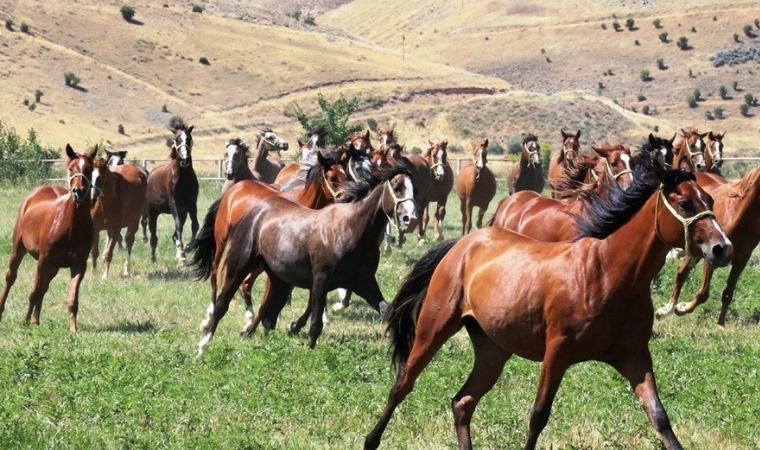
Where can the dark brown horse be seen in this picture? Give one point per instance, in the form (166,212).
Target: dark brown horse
(355,155)
(518,296)
(440,186)
(266,165)
(236,168)
(476,186)
(689,147)
(563,159)
(118,196)
(714,152)
(55,227)
(319,250)
(173,189)
(737,207)
(324,180)
(307,151)
(527,175)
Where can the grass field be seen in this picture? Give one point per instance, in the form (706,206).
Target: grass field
(130,378)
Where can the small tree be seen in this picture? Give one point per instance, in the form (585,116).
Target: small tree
(691,101)
(309,20)
(744,109)
(644,75)
(70,79)
(693,29)
(709,115)
(121,129)
(197,9)
(9,24)
(37,95)
(203,60)
(24,27)
(657,24)
(718,113)
(723,93)
(645,110)
(164,109)
(750,99)
(295,14)
(334,117)
(629,23)
(664,37)
(683,43)
(697,95)
(641,97)
(616,25)
(736,86)
(127,13)
(736,37)
(660,63)
(748,31)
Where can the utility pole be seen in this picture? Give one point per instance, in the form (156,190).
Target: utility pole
(403,53)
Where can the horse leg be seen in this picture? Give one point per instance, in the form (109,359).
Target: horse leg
(246,288)
(463,210)
(182,217)
(424,224)
(108,255)
(318,302)
(95,250)
(553,369)
(440,213)
(737,267)
(434,328)
(77,274)
(193,211)
(17,255)
(702,295)
(129,238)
(45,275)
(344,303)
(370,291)
(637,369)
(683,272)
(275,297)
(481,214)
(488,365)
(152,220)
(144,223)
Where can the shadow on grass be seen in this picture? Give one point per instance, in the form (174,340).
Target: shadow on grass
(130,327)
(179,273)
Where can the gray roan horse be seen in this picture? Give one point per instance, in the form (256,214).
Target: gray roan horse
(319,250)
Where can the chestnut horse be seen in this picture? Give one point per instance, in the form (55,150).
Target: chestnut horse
(319,250)
(689,146)
(356,155)
(527,174)
(118,196)
(615,160)
(563,159)
(55,227)
(236,168)
(475,186)
(440,186)
(173,189)
(324,179)
(737,207)
(558,303)
(306,151)
(265,165)
(714,152)
(117,159)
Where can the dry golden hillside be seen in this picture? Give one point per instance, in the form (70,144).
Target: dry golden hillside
(467,69)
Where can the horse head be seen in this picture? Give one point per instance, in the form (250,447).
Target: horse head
(616,163)
(530,151)
(80,173)
(182,146)
(116,158)
(661,149)
(437,157)
(386,137)
(691,149)
(359,145)
(333,175)
(399,204)
(480,156)
(714,149)
(275,142)
(570,145)
(100,168)
(235,155)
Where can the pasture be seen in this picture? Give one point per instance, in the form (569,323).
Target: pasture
(130,379)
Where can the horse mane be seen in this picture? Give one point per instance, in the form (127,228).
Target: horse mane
(259,136)
(604,217)
(610,144)
(314,170)
(575,170)
(356,190)
(740,188)
(529,137)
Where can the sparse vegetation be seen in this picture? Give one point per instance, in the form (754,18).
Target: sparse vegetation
(657,24)
(663,37)
(644,75)
(21,159)
(120,129)
(37,95)
(630,24)
(736,37)
(164,109)
(683,43)
(127,13)
(691,101)
(25,102)
(636,42)
(24,27)
(718,113)
(176,122)
(641,97)
(197,9)
(744,109)
(70,80)
(203,60)
(309,20)
(9,24)
(709,115)
(691,73)
(697,95)
(32,107)
(294,14)
(604,26)
(723,92)
(693,29)
(645,110)
(748,31)
(616,25)
(661,64)
(750,99)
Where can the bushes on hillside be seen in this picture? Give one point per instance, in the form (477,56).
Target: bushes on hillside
(21,159)
(127,13)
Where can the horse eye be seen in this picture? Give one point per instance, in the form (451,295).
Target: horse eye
(683,204)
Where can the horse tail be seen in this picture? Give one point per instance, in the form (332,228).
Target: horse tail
(204,244)
(403,313)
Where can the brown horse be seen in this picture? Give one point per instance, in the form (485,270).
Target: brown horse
(306,151)
(118,196)
(737,204)
(689,146)
(265,165)
(324,180)
(236,168)
(558,303)
(173,189)
(319,250)
(119,158)
(355,155)
(714,152)
(615,160)
(527,174)
(440,186)
(563,159)
(475,186)
(55,227)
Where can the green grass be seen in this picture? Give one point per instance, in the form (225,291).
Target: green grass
(130,379)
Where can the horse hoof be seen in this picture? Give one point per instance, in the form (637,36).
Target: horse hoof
(682,309)
(662,312)
(383,307)
(338,309)
(293,328)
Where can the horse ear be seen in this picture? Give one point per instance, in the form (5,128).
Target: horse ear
(578,135)
(93,152)
(651,139)
(702,136)
(673,139)
(564,135)
(300,144)
(485,144)
(321,159)
(366,135)
(70,152)
(430,143)
(190,129)
(123,153)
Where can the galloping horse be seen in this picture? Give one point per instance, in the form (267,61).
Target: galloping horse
(236,168)
(355,155)
(324,179)
(690,146)
(118,159)
(307,151)
(173,189)
(714,152)
(527,175)
(55,227)
(266,166)
(475,186)
(319,250)
(515,295)
(615,160)
(737,204)
(118,196)
(563,159)
(440,186)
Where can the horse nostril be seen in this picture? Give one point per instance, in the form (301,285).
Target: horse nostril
(718,251)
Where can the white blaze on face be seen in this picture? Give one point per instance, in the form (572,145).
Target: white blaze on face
(699,158)
(231,154)
(439,161)
(534,155)
(626,160)
(718,155)
(406,210)
(479,164)
(93,189)
(183,147)
(114,161)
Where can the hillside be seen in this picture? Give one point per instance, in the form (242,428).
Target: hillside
(466,71)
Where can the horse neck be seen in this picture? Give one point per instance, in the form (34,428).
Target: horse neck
(312,196)
(368,215)
(243,172)
(261,156)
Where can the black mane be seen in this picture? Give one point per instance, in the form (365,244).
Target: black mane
(357,190)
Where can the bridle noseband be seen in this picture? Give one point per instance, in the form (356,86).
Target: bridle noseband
(335,193)
(684,221)
(531,153)
(396,201)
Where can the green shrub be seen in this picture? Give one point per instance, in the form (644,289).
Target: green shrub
(629,23)
(26,102)
(644,75)
(32,107)
(415,150)
(514,144)
(309,20)
(664,37)
(657,23)
(661,64)
(691,101)
(736,86)
(709,115)
(333,117)
(295,14)
(21,159)
(723,92)
(164,109)
(120,129)
(70,79)
(24,27)
(736,37)
(645,110)
(697,94)
(197,9)
(693,29)
(494,148)
(748,31)
(616,25)
(604,26)
(636,42)
(9,24)
(744,109)
(203,60)
(749,99)
(127,13)
(37,95)
(718,113)
(683,43)
(641,97)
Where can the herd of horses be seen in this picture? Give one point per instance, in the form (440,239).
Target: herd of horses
(559,279)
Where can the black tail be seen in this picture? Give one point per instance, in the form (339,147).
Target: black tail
(403,313)
(204,244)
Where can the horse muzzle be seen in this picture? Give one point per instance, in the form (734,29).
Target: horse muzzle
(79,195)
(184,163)
(717,252)
(407,217)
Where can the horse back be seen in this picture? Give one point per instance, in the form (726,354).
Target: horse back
(125,201)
